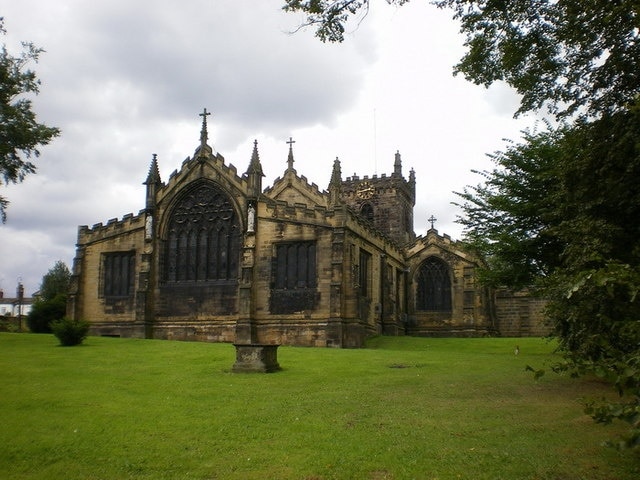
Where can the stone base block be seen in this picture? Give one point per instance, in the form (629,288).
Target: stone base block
(252,358)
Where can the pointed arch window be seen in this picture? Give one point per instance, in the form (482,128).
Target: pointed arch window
(434,286)
(203,242)
(367,212)
(118,274)
(294,277)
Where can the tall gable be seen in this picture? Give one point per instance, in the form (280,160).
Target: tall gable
(294,189)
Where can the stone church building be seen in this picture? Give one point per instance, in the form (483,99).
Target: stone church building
(216,256)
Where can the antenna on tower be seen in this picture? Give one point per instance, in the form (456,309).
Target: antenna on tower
(375,143)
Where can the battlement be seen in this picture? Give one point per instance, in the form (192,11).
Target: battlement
(296,211)
(312,186)
(98,231)
(433,233)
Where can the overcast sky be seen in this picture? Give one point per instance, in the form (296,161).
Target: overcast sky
(126,79)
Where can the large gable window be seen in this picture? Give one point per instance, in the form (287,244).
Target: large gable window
(434,286)
(118,270)
(294,277)
(203,240)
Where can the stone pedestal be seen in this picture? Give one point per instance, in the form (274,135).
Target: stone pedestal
(256,358)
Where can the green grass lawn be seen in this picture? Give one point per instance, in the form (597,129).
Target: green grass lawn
(404,408)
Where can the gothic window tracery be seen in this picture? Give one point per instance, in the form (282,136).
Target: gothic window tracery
(203,240)
(294,277)
(118,272)
(434,286)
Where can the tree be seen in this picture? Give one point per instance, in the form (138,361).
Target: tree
(560,213)
(329,17)
(20,133)
(43,312)
(508,218)
(55,281)
(52,302)
(571,57)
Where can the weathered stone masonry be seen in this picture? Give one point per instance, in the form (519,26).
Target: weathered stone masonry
(214,256)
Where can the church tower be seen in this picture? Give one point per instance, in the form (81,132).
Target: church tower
(386,202)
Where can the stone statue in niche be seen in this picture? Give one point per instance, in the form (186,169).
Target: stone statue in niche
(251,218)
(148,228)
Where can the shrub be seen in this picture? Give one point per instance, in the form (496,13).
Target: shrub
(44,312)
(70,332)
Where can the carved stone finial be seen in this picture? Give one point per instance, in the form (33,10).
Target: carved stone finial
(397,165)
(336,174)
(153,183)
(335,184)
(254,165)
(254,173)
(154,173)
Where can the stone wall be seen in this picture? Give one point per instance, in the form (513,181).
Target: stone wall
(518,314)
(86,300)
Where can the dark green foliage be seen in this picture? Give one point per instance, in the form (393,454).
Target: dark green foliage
(508,218)
(43,312)
(560,212)
(52,302)
(20,133)
(56,281)
(70,332)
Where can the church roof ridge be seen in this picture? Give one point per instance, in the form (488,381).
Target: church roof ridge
(299,179)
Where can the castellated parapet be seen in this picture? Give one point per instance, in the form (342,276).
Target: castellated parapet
(113,227)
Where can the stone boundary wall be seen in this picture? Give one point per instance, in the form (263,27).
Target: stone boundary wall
(518,314)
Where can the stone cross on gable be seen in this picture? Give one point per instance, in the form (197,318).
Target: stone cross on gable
(203,133)
(432,220)
(290,142)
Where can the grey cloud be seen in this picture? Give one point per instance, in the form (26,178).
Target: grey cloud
(118,76)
